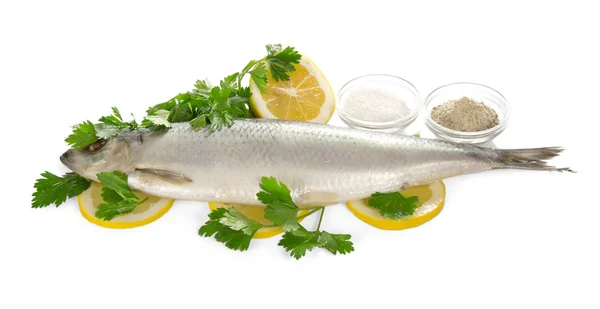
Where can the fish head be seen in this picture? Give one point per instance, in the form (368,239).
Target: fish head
(104,155)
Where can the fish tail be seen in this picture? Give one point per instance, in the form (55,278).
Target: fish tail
(530,159)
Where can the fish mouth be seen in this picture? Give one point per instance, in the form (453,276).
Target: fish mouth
(64,158)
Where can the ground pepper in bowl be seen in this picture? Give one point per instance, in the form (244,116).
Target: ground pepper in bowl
(465,115)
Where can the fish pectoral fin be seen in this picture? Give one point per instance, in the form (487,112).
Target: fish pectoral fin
(318,198)
(168,176)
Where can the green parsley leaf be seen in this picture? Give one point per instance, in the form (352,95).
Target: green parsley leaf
(116,120)
(220,98)
(110,196)
(151,123)
(244,92)
(106,131)
(219,119)
(112,125)
(113,120)
(218,107)
(199,122)
(274,191)
(116,113)
(273,49)
(221,114)
(247,68)
(240,103)
(282,62)
(230,82)
(336,243)
(179,108)
(235,220)
(237,100)
(181,113)
(161,116)
(157,121)
(166,106)
(84,134)
(87,133)
(107,211)
(117,197)
(259,76)
(117,181)
(393,205)
(299,241)
(240,110)
(202,88)
(418,134)
(280,208)
(51,189)
(200,106)
(230,227)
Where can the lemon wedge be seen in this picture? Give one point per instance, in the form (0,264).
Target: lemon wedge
(431,201)
(255,213)
(147,212)
(307,96)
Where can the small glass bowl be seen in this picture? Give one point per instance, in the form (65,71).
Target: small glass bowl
(478,92)
(394,119)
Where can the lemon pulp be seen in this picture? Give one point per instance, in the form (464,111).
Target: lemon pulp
(306,96)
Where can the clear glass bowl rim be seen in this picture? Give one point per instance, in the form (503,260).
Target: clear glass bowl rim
(403,122)
(501,126)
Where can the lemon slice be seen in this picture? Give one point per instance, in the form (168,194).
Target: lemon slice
(255,213)
(307,96)
(431,201)
(150,210)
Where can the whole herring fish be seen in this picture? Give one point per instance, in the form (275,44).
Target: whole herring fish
(321,164)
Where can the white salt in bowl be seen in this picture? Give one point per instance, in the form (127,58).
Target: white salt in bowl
(378,102)
(489,96)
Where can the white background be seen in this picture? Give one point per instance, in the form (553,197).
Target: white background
(505,239)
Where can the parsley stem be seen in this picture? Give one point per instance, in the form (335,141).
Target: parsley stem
(243,73)
(144,200)
(239,79)
(312,211)
(320,218)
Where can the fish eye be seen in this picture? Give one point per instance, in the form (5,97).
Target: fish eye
(97,145)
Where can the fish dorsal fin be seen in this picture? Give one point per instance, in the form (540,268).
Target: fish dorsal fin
(168,176)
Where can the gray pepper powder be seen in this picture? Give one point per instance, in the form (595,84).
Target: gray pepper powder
(465,114)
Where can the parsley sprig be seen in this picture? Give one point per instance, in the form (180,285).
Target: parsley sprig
(117,197)
(87,133)
(52,189)
(83,134)
(205,105)
(235,230)
(218,106)
(281,61)
(230,227)
(394,205)
(280,208)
